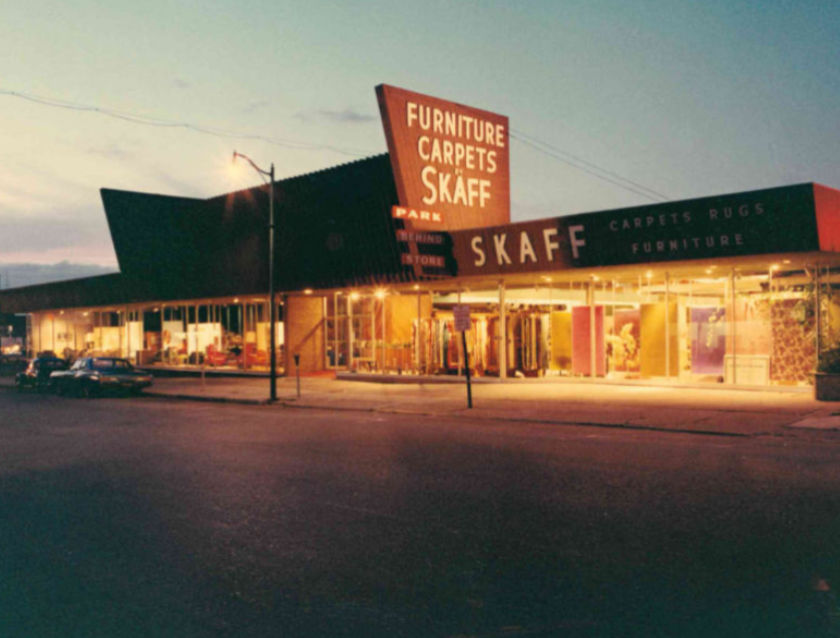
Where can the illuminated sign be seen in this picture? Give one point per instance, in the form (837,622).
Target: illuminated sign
(420,237)
(768,221)
(414,215)
(448,159)
(433,261)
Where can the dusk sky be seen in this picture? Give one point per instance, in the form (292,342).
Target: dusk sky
(683,99)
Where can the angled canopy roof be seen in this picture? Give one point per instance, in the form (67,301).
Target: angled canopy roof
(333,229)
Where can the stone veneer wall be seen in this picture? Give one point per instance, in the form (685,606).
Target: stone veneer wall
(794,347)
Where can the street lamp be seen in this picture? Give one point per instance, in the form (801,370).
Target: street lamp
(272,305)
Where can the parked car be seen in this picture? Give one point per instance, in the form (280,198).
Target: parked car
(38,372)
(91,376)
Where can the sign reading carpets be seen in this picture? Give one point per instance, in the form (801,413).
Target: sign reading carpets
(768,221)
(450,161)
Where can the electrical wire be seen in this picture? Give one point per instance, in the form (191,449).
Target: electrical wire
(145,120)
(164,123)
(588,167)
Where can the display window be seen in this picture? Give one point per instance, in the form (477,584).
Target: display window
(736,325)
(228,335)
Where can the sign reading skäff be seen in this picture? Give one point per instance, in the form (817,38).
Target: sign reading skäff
(449,160)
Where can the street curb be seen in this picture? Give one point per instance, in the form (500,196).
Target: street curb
(289,403)
(192,397)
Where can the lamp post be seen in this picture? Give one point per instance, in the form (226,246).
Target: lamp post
(272,305)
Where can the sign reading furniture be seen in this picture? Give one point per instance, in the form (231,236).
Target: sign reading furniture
(450,161)
(775,220)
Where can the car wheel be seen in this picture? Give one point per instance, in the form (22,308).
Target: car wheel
(87,391)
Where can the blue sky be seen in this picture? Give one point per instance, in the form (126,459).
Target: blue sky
(688,99)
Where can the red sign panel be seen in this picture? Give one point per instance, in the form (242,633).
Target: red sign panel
(447,158)
(432,261)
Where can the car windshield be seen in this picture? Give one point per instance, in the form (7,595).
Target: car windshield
(110,364)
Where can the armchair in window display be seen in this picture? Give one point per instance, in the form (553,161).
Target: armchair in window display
(252,357)
(214,357)
(827,376)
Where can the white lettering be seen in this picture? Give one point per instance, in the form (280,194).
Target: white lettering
(476,245)
(501,253)
(575,241)
(426,175)
(525,248)
(421,141)
(550,246)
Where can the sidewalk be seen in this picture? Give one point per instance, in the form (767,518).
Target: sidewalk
(736,412)
(679,409)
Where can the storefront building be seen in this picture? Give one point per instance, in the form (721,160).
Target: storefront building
(373,256)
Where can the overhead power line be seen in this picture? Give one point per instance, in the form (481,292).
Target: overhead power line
(146,120)
(588,167)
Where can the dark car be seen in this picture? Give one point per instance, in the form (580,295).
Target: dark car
(91,376)
(38,373)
